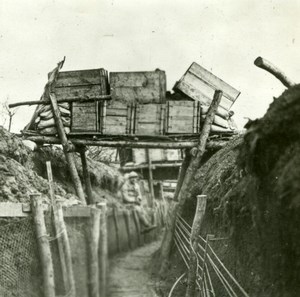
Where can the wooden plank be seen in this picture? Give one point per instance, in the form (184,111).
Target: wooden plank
(143,87)
(82,92)
(214,81)
(79,78)
(198,95)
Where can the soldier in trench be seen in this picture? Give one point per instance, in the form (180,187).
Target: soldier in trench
(131,195)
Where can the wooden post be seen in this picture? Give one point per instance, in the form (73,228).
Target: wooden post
(103,249)
(192,273)
(66,249)
(57,230)
(185,192)
(150,179)
(183,169)
(68,150)
(93,242)
(44,246)
(86,176)
(115,215)
(127,222)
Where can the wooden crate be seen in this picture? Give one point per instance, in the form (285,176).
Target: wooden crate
(149,119)
(200,84)
(138,87)
(83,84)
(183,117)
(115,118)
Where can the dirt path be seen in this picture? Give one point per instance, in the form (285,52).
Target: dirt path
(130,274)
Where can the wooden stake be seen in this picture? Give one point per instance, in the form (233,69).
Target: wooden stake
(192,273)
(268,66)
(67,148)
(86,176)
(150,179)
(57,230)
(93,242)
(183,169)
(185,192)
(115,215)
(44,246)
(66,249)
(103,249)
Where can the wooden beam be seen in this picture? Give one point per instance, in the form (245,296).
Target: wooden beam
(212,144)
(86,175)
(192,273)
(67,149)
(185,190)
(93,260)
(150,177)
(68,100)
(268,66)
(44,246)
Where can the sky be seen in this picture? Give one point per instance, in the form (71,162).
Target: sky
(225,37)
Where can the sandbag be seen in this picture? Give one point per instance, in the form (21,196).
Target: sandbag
(49,123)
(220,112)
(52,130)
(46,115)
(65,105)
(64,111)
(218,121)
(37,120)
(215,128)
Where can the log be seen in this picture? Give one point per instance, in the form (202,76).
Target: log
(57,229)
(184,167)
(66,146)
(66,250)
(93,243)
(150,178)
(223,113)
(68,100)
(268,66)
(192,273)
(86,176)
(212,144)
(184,192)
(43,244)
(219,121)
(103,258)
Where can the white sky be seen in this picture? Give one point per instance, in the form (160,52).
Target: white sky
(223,36)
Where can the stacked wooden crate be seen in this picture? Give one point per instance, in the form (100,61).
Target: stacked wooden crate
(199,84)
(83,84)
(143,95)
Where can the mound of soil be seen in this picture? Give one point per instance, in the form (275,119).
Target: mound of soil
(253,194)
(23,171)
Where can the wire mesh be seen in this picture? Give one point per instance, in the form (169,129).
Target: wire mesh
(18,259)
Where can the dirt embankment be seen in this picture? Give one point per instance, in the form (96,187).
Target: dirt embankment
(23,171)
(254,199)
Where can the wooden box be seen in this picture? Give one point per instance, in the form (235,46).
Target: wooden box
(200,85)
(115,118)
(83,84)
(183,117)
(138,87)
(149,119)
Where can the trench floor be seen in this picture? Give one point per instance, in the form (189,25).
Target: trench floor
(130,274)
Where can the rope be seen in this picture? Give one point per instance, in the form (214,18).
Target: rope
(180,224)
(183,235)
(209,280)
(185,249)
(227,271)
(184,221)
(181,253)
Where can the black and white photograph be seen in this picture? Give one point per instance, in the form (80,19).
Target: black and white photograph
(149,148)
